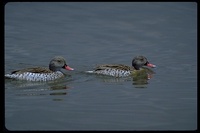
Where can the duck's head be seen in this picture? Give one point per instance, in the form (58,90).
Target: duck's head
(58,63)
(140,61)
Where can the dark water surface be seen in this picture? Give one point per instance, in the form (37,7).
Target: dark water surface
(87,34)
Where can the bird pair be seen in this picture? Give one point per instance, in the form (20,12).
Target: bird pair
(139,66)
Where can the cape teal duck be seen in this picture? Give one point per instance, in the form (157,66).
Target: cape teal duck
(139,66)
(40,73)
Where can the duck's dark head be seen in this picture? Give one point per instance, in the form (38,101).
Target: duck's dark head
(58,63)
(140,61)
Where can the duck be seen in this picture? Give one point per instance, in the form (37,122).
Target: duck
(56,65)
(140,66)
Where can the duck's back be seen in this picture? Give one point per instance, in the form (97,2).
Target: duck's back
(32,70)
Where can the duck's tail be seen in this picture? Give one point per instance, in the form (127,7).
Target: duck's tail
(89,71)
(8,76)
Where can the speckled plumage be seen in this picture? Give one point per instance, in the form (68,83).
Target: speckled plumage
(119,70)
(36,76)
(116,70)
(40,73)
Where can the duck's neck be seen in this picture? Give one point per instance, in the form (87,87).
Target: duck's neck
(136,67)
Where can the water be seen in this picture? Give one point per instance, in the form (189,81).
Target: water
(87,34)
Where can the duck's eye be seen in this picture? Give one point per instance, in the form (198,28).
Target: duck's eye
(59,61)
(146,63)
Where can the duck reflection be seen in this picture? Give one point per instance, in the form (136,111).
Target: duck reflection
(140,83)
(56,89)
(139,78)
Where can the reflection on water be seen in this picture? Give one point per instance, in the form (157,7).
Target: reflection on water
(28,88)
(22,83)
(141,81)
(56,91)
(138,81)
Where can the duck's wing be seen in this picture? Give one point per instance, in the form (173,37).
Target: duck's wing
(113,66)
(32,70)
